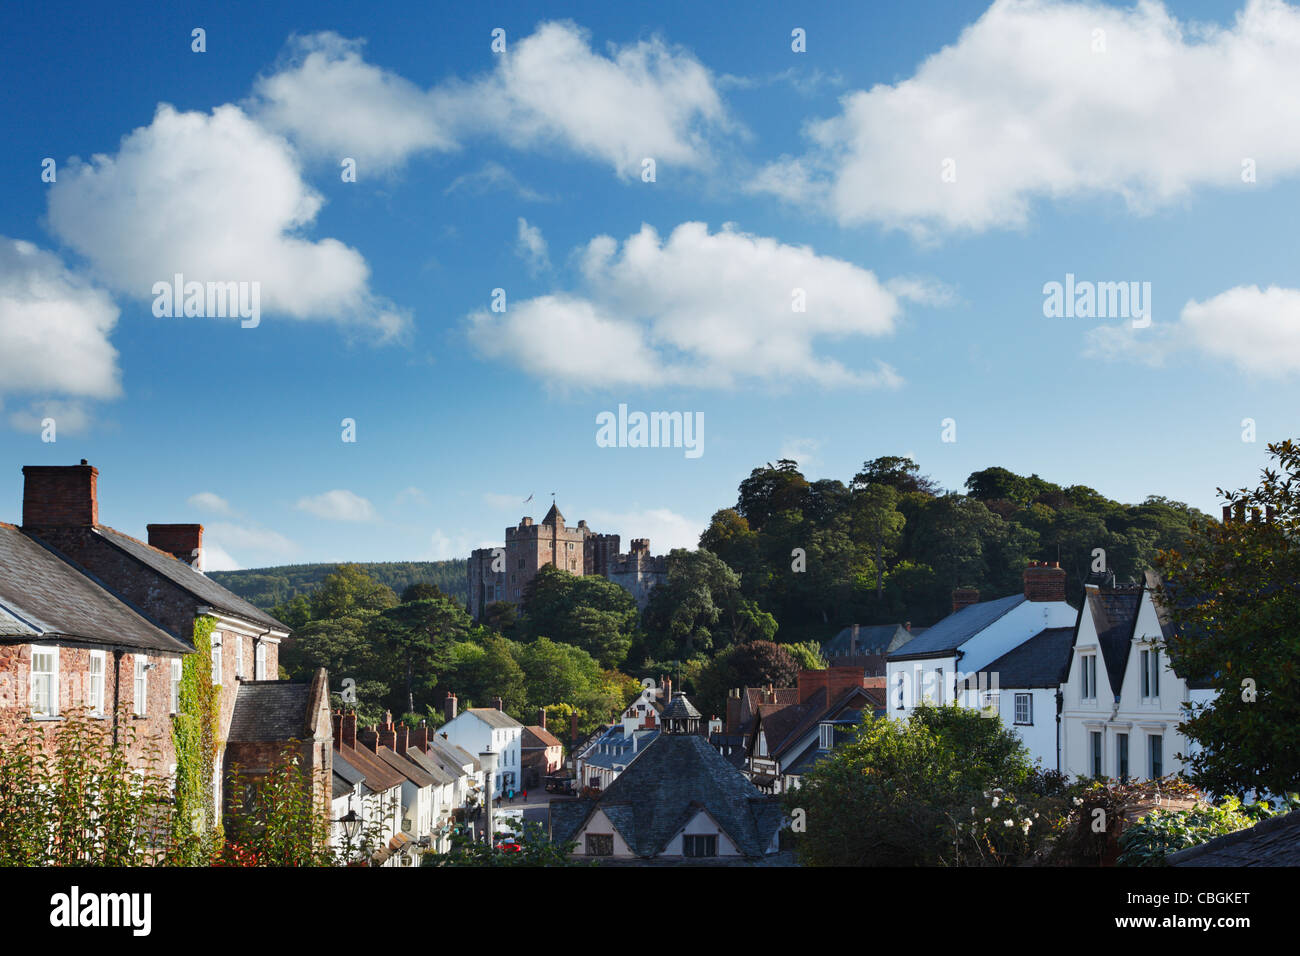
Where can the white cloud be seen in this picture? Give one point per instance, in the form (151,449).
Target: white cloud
(338,505)
(1257,330)
(644,99)
(69,417)
(215,197)
(209,501)
(503,502)
(698,309)
(665,528)
(243,538)
(54,330)
(1028,110)
(412,496)
(531,247)
(333,104)
(492,176)
(217,558)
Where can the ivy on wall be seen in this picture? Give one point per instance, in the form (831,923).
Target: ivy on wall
(194,732)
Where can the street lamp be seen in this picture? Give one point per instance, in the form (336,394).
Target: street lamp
(351,824)
(488,758)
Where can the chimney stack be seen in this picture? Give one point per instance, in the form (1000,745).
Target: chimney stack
(449,707)
(496,702)
(668,691)
(419,738)
(573,726)
(345,729)
(1045,582)
(184,542)
(60,496)
(401,738)
(541,717)
(964,597)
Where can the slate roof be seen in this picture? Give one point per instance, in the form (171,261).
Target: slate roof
(1272,842)
(378,775)
(43,597)
(956,629)
(270,710)
(196,583)
(819,709)
(452,767)
(614,750)
(1041,661)
(407,768)
(872,639)
(538,738)
(680,709)
(1114,614)
(552,515)
(457,753)
(342,786)
(675,777)
(349,773)
(493,717)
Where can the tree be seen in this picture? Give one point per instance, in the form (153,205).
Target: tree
(417,636)
(682,617)
(421,591)
(770,490)
(588,611)
(893,794)
(807,655)
(349,589)
(755,664)
(901,474)
(1233,600)
(483,671)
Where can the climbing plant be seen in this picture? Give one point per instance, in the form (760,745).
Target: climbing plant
(196,831)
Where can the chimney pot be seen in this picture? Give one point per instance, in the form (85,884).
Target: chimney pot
(1044,582)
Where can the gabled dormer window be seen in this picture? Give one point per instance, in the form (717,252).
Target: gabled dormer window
(826,736)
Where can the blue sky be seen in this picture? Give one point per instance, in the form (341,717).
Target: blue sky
(1103,141)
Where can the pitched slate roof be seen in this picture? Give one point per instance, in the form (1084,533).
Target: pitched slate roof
(1272,842)
(270,710)
(538,738)
(675,777)
(872,639)
(956,629)
(819,709)
(342,786)
(552,515)
(1114,614)
(378,775)
(457,753)
(493,717)
(615,751)
(196,583)
(43,597)
(451,767)
(680,709)
(1041,661)
(407,768)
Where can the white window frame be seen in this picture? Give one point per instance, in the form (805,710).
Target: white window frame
(259,661)
(1151,674)
(1152,746)
(216,658)
(95,695)
(140,684)
(176,684)
(1089,668)
(1096,753)
(51,675)
(239,656)
(1028,701)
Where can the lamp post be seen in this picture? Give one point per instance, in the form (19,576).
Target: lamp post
(488,758)
(351,823)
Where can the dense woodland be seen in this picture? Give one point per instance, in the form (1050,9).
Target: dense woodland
(778,573)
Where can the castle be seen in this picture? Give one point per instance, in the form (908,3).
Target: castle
(501,574)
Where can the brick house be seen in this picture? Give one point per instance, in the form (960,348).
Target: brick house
(542,753)
(83,582)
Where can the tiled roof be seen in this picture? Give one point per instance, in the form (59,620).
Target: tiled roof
(680,709)
(817,710)
(677,776)
(42,596)
(1041,661)
(956,629)
(462,756)
(199,585)
(407,768)
(430,765)
(379,776)
(615,751)
(1272,842)
(270,710)
(493,717)
(342,786)
(872,639)
(535,738)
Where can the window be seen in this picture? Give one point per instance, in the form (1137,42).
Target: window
(1151,673)
(938,682)
(901,679)
(95,685)
(825,736)
(45,681)
(699,844)
(1024,708)
(238,651)
(141,684)
(1089,662)
(1156,746)
(1121,757)
(600,844)
(259,662)
(176,685)
(521,565)
(1096,753)
(216,658)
